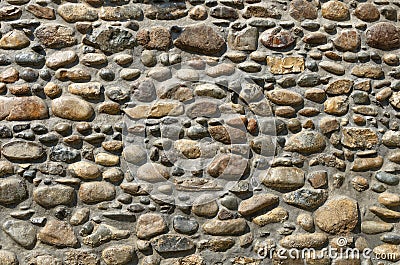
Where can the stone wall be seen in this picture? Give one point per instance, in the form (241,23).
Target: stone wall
(198,132)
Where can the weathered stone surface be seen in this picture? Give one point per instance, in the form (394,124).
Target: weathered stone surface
(354,137)
(335,10)
(348,40)
(277,215)
(200,39)
(300,241)
(21,232)
(306,142)
(256,203)
(231,167)
(383,35)
(41,11)
(336,105)
(338,215)
(367,163)
(284,178)
(104,233)
(90,90)
(166,11)
(172,243)
(390,252)
(368,71)
(118,254)
(55,36)
(96,191)
(338,87)
(120,13)
(72,108)
(150,225)
(58,233)
(277,38)
(22,150)
(153,173)
(367,12)
(14,40)
(233,227)
(84,170)
(8,258)
(303,9)
(77,12)
(374,227)
(51,196)
(245,40)
(158,38)
(306,198)
(285,65)
(111,39)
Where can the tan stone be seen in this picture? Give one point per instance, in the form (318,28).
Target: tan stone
(286,65)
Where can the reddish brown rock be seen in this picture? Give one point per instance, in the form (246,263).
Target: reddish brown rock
(277,38)
(41,11)
(158,38)
(303,9)
(384,36)
(348,40)
(367,12)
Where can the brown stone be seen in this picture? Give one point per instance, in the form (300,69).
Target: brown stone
(58,233)
(96,191)
(335,10)
(303,9)
(55,36)
(336,105)
(285,97)
(354,137)
(71,12)
(277,38)
(256,203)
(367,12)
(150,225)
(384,36)
(232,227)
(285,65)
(200,39)
(158,38)
(338,87)
(306,142)
(367,163)
(72,108)
(338,215)
(14,40)
(41,11)
(347,40)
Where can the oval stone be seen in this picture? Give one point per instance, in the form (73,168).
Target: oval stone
(22,150)
(72,108)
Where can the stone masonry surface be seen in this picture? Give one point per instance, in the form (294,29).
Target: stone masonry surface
(198,132)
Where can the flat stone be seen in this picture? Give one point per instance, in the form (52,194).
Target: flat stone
(58,233)
(150,225)
(77,12)
(22,150)
(375,227)
(153,172)
(367,12)
(285,65)
(10,13)
(367,163)
(336,105)
(135,154)
(51,196)
(347,40)
(354,137)
(306,198)
(277,38)
(126,12)
(245,40)
(384,36)
(41,11)
(391,238)
(232,227)
(200,39)
(285,97)
(314,240)
(332,67)
(14,40)
(96,191)
(338,87)
(337,216)
(302,9)
(104,233)
(91,90)
(202,109)
(368,71)
(84,170)
(224,12)
(387,178)
(256,203)
(335,10)
(21,232)
(61,59)
(72,108)
(287,178)
(315,38)
(55,36)
(166,11)
(172,243)
(205,206)
(306,142)
(29,59)
(262,11)
(384,212)
(277,215)
(118,254)
(163,108)
(230,167)
(389,199)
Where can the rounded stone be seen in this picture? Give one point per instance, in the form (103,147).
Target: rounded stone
(72,108)
(384,36)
